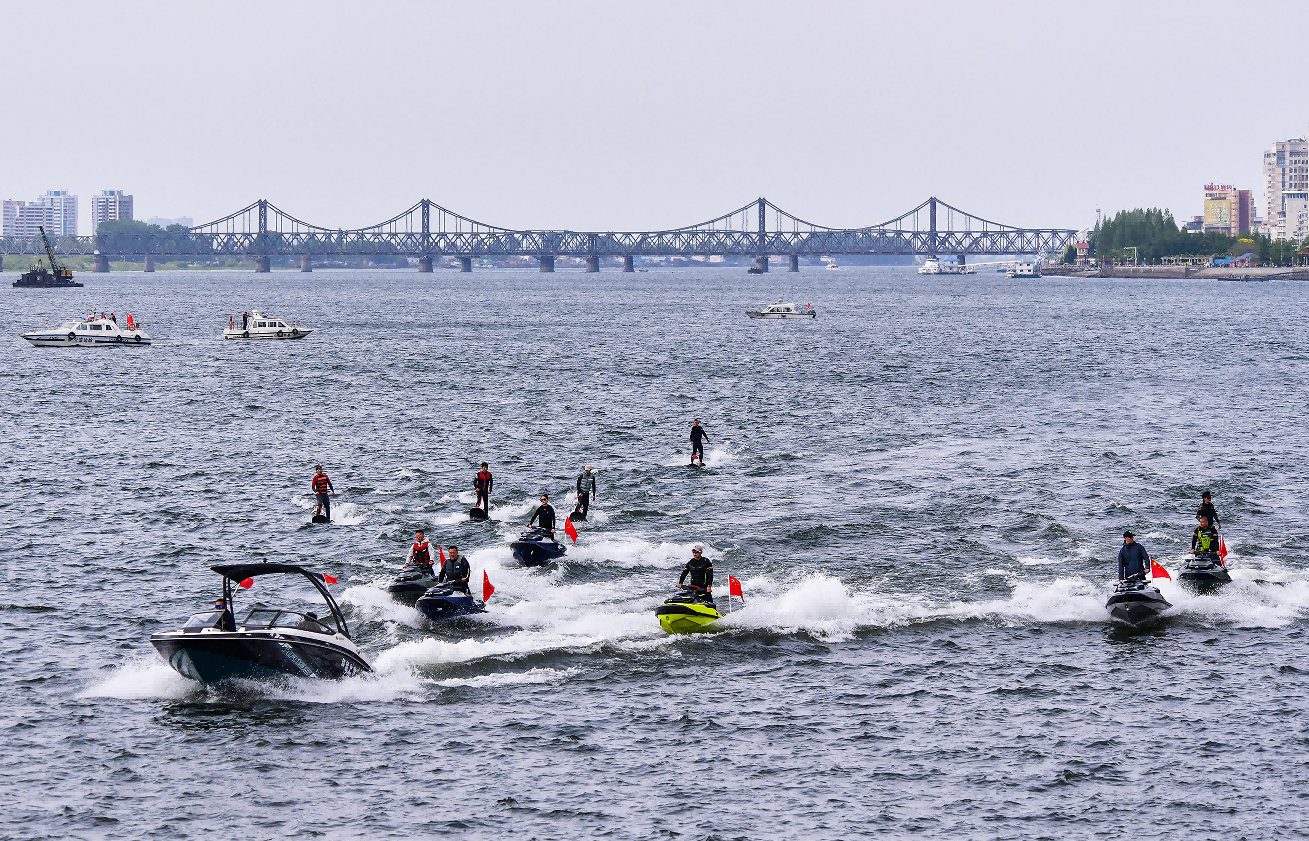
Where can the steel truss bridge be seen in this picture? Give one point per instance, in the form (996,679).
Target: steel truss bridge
(760,229)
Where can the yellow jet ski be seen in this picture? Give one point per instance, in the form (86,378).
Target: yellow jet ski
(688,612)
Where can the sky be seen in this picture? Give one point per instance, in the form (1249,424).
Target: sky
(641,116)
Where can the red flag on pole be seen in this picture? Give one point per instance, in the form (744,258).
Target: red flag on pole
(734,588)
(570,529)
(487,589)
(441,550)
(1158,571)
(331,579)
(248,583)
(1222,548)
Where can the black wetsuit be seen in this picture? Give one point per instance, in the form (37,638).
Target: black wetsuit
(1132,561)
(1207,510)
(700,571)
(585,490)
(697,443)
(454,571)
(546,514)
(1204,542)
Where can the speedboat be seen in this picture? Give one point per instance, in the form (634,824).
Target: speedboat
(444,602)
(266,327)
(782,309)
(412,583)
(1204,573)
(1136,603)
(687,612)
(535,548)
(96,331)
(268,642)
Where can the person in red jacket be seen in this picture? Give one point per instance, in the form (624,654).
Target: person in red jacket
(321,485)
(482,484)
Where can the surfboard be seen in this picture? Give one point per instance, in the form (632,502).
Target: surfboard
(320,518)
(577,516)
(476,514)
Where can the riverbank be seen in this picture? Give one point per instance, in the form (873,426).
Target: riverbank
(1180,272)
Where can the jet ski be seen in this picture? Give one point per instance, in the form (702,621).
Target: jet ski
(319,518)
(1203,573)
(687,612)
(268,642)
(412,582)
(443,602)
(477,515)
(536,548)
(1136,603)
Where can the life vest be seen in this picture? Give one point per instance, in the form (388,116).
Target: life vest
(423,554)
(1206,542)
(321,484)
(483,480)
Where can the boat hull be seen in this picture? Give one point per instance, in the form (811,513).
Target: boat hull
(251,335)
(1137,607)
(534,553)
(443,606)
(756,314)
(49,338)
(686,618)
(212,658)
(410,588)
(1201,576)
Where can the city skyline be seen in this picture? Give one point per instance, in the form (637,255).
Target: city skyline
(590,117)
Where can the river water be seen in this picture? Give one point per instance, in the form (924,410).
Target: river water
(923,492)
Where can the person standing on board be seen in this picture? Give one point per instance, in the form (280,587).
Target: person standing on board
(245,321)
(698,440)
(1133,560)
(321,485)
(585,490)
(1207,510)
(482,484)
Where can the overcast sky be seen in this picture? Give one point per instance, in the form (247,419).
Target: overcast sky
(634,116)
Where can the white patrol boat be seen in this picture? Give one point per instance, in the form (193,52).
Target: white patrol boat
(262,326)
(784,310)
(98,330)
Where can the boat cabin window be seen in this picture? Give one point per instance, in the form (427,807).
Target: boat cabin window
(95,326)
(280,324)
(200,621)
(81,327)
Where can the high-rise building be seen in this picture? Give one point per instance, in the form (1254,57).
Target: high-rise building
(1286,169)
(1227,210)
(110,204)
(64,205)
(56,211)
(1293,219)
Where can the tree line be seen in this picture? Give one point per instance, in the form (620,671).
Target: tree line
(1155,234)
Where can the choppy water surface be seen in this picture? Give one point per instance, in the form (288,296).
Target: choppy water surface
(923,492)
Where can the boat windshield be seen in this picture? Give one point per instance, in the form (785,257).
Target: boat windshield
(303,622)
(200,621)
(259,617)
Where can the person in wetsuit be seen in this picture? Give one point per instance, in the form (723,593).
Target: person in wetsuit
(482,484)
(701,572)
(455,570)
(1207,510)
(1204,540)
(420,554)
(546,514)
(1133,560)
(585,490)
(698,439)
(321,485)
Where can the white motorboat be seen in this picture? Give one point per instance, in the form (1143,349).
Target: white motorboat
(930,266)
(1029,270)
(933,265)
(832,267)
(782,309)
(97,330)
(262,326)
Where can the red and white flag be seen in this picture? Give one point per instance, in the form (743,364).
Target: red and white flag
(734,588)
(570,529)
(1158,571)
(487,589)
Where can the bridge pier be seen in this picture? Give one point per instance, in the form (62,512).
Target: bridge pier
(547,262)
(961,260)
(795,263)
(101,263)
(761,262)
(263,265)
(592,265)
(306,263)
(627,265)
(425,264)
(465,264)
(149,262)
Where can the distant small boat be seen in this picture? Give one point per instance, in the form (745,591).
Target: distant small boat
(831,267)
(784,310)
(96,331)
(754,270)
(266,327)
(1025,270)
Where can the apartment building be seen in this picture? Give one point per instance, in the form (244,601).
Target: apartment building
(1227,210)
(56,211)
(1286,170)
(110,204)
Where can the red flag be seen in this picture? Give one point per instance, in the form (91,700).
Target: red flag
(331,579)
(248,583)
(734,588)
(1158,571)
(570,529)
(1222,548)
(441,549)
(487,589)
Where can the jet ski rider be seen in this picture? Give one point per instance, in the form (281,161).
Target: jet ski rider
(701,572)
(1132,559)
(1204,540)
(420,554)
(546,514)
(1207,510)
(454,571)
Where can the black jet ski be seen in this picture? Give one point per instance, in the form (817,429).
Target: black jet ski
(319,518)
(267,642)
(688,612)
(477,515)
(443,602)
(412,582)
(1203,573)
(536,548)
(1136,603)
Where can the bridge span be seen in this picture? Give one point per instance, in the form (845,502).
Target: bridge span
(427,231)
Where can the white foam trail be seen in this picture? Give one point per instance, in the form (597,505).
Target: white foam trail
(141,679)
(376,687)
(374,604)
(719,455)
(531,676)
